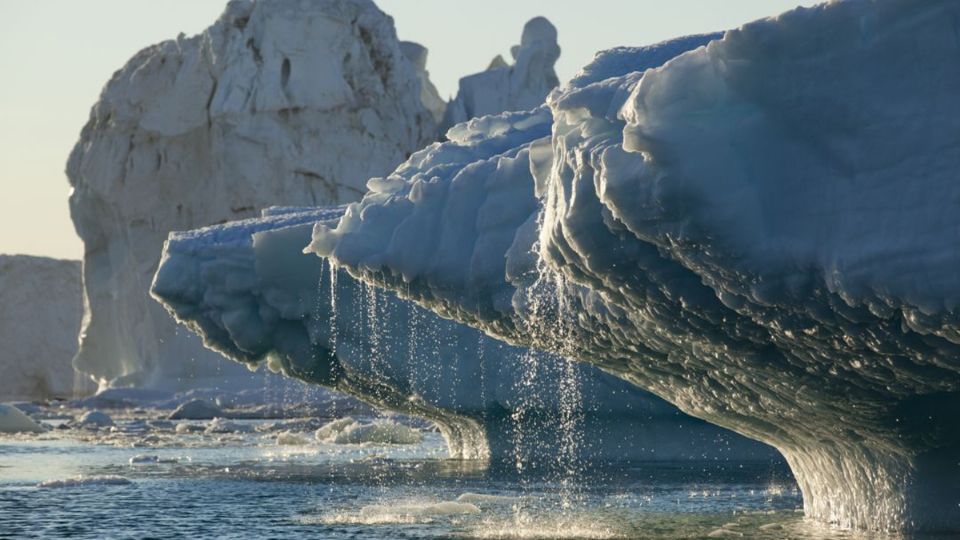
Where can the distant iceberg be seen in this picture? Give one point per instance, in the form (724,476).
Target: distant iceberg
(277,102)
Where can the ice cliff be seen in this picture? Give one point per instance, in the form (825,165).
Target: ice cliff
(278,102)
(762,231)
(503,87)
(251,292)
(40,311)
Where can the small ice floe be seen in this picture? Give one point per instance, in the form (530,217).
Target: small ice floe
(189,428)
(221,425)
(12,420)
(83,481)
(290,438)
(95,419)
(146,459)
(349,431)
(196,409)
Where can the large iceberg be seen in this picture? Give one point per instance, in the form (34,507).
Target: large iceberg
(40,311)
(315,96)
(251,292)
(761,231)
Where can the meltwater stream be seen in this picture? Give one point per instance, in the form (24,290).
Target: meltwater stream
(161,479)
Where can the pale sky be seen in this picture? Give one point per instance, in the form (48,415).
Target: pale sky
(56,55)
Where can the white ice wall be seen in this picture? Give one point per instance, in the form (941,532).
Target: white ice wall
(278,102)
(40,311)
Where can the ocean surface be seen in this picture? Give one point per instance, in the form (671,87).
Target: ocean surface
(251,479)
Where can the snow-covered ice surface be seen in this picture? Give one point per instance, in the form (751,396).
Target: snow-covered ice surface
(40,310)
(248,289)
(278,102)
(146,478)
(762,231)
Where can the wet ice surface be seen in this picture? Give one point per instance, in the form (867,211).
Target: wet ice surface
(146,476)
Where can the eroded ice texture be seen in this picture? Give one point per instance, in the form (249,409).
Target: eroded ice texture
(762,231)
(278,102)
(251,292)
(504,87)
(40,309)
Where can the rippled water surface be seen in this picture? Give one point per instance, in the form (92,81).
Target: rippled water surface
(159,483)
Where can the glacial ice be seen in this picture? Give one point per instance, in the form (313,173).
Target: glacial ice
(429,96)
(315,96)
(248,289)
(40,311)
(761,231)
(503,87)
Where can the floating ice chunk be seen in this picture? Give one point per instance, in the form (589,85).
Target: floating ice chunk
(12,420)
(222,425)
(349,431)
(292,439)
(196,409)
(95,419)
(84,481)
(185,427)
(329,431)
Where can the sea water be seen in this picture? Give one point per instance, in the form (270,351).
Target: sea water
(257,479)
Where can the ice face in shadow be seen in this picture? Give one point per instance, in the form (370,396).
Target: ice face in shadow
(761,231)
(251,292)
(277,102)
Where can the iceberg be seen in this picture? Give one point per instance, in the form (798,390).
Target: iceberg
(40,310)
(760,231)
(249,290)
(504,87)
(315,96)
